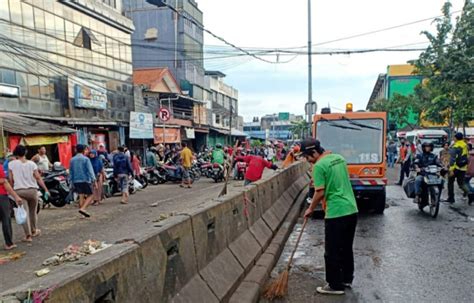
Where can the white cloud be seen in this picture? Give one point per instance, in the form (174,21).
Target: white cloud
(337,79)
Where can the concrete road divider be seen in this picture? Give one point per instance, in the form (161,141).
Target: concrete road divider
(199,256)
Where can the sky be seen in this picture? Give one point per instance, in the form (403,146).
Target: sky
(271,88)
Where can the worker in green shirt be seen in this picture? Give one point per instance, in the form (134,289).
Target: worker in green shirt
(332,184)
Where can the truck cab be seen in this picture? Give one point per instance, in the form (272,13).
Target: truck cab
(360,137)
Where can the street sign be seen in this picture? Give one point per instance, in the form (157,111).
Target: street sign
(141,125)
(164,114)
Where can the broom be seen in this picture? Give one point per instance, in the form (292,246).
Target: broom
(278,288)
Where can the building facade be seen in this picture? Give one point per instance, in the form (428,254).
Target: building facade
(399,79)
(71,61)
(162,38)
(272,127)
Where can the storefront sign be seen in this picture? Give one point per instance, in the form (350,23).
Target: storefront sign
(88,94)
(171,135)
(141,125)
(190,133)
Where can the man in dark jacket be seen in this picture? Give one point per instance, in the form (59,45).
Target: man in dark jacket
(122,172)
(425,159)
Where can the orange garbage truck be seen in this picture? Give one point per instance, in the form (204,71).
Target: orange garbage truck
(360,137)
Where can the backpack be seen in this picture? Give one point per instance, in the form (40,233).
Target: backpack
(462,161)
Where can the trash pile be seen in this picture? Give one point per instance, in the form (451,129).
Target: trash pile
(13,256)
(75,252)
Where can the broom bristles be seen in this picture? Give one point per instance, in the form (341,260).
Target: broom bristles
(278,288)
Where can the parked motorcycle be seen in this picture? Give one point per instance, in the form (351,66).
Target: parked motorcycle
(153,175)
(205,167)
(169,172)
(112,187)
(142,178)
(431,189)
(57,183)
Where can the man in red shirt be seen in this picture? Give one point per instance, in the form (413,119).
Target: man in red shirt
(255,167)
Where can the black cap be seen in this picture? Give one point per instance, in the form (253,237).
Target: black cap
(310,144)
(459,136)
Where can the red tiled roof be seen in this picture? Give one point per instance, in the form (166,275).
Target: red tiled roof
(152,77)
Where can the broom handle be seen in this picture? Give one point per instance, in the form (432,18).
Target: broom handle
(297,243)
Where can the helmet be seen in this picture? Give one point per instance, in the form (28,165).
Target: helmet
(57,166)
(218,145)
(427,144)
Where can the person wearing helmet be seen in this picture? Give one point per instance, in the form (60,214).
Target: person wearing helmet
(218,155)
(151,157)
(425,159)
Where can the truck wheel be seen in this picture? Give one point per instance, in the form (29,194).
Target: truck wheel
(379,202)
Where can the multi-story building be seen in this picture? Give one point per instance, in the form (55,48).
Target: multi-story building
(163,38)
(399,79)
(71,62)
(222,102)
(271,127)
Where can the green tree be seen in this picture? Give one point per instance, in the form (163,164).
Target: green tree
(298,128)
(448,67)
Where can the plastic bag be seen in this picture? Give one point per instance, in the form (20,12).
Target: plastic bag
(409,187)
(20,215)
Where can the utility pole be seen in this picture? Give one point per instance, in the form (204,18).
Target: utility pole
(310,106)
(310,64)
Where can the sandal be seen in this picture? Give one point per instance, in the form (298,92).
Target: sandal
(37,233)
(11,247)
(27,239)
(124,202)
(84,213)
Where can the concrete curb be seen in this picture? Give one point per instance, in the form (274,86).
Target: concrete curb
(254,282)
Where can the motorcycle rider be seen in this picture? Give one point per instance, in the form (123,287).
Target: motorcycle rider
(423,160)
(218,155)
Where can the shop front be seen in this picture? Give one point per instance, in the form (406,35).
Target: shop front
(59,141)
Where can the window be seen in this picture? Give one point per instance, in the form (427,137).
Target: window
(39,20)
(49,24)
(33,86)
(45,92)
(28,17)
(7,76)
(4,10)
(15,11)
(59,27)
(84,38)
(22,83)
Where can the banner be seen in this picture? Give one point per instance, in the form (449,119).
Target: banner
(172,135)
(87,94)
(190,133)
(141,126)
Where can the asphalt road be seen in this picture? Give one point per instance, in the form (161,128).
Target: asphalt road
(401,256)
(110,222)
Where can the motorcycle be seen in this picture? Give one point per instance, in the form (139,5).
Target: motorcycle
(57,183)
(241,169)
(112,187)
(431,189)
(153,175)
(169,172)
(205,167)
(217,172)
(142,178)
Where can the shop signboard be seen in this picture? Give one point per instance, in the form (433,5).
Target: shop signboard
(167,135)
(141,125)
(87,94)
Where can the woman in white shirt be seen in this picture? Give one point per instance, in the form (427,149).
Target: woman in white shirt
(24,177)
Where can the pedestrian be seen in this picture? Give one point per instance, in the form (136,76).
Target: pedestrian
(392,153)
(444,156)
(419,148)
(136,163)
(470,174)
(458,167)
(83,179)
(25,177)
(255,167)
(43,161)
(8,158)
(5,210)
(332,184)
(151,157)
(99,173)
(122,172)
(186,162)
(102,151)
(404,160)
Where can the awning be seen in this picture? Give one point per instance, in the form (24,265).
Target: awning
(180,97)
(20,125)
(75,121)
(220,130)
(238,133)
